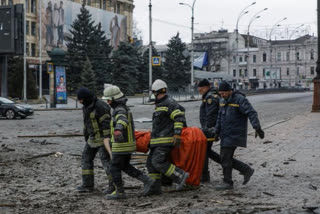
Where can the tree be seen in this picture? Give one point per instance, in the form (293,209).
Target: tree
(177,65)
(125,67)
(143,74)
(15,79)
(88,77)
(78,44)
(99,57)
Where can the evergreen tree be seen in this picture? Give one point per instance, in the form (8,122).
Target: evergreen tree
(143,74)
(177,65)
(99,57)
(125,66)
(88,77)
(82,30)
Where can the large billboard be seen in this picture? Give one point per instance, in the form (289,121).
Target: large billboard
(58,16)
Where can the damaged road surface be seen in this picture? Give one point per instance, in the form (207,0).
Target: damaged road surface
(39,175)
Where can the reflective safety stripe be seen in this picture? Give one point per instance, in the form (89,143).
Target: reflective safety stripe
(178,125)
(176,113)
(155,176)
(106,116)
(161,140)
(106,132)
(233,105)
(211,139)
(161,109)
(87,172)
(170,170)
(97,141)
(123,123)
(120,115)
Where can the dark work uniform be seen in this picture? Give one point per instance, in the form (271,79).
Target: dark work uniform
(208,116)
(96,128)
(121,151)
(168,120)
(232,126)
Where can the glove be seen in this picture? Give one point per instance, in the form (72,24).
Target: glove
(118,136)
(259,133)
(176,140)
(86,138)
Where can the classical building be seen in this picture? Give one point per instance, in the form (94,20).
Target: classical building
(121,7)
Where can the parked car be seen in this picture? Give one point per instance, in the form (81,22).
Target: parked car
(11,110)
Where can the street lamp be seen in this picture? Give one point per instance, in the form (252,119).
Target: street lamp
(295,30)
(242,13)
(272,29)
(192,30)
(150,48)
(316,80)
(255,17)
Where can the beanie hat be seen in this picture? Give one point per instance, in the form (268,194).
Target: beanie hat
(86,95)
(203,83)
(224,86)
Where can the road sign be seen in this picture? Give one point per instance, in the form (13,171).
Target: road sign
(156,61)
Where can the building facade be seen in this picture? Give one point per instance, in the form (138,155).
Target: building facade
(122,7)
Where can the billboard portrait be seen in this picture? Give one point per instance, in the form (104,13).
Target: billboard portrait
(58,16)
(61,89)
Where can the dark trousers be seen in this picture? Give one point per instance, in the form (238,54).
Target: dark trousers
(228,162)
(88,156)
(122,163)
(213,156)
(60,34)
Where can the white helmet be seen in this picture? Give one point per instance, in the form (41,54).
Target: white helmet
(158,85)
(112,92)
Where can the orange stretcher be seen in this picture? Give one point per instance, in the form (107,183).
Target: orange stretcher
(189,156)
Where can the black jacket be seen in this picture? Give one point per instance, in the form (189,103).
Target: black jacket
(209,109)
(96,122)
(232,123)
(168,120)
(122,120)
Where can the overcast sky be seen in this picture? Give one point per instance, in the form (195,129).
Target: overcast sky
(169,18)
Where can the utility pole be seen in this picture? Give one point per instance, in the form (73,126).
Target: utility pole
(150,48)
(316,80)
(40,50)
(25,53)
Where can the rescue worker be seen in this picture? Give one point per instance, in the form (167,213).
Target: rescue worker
(168,121)
(122,143)
(232,127)
(209,110)
(96,115)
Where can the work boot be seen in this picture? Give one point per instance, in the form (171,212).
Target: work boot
(184,177)
(224,186)
(155,189)
(247,176)
(111,188)
(84,189)
(148,183)
(117,194)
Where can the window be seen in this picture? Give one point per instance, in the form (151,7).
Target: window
(264,72)
(288,56)
(27,6)
(27,49)
(254,58)
(234,59)
(298,71)
(288,71)
(234,73)
(312,70)
(3,2)
(240,59)
(33,49)
(10,2)
(312,54)
(118,7)
(254,72)
(33,6)
(245,72)
(279,57)
(264,57)
(28,28)
(33,28)
(240,73)
(298,55)
(89,2)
